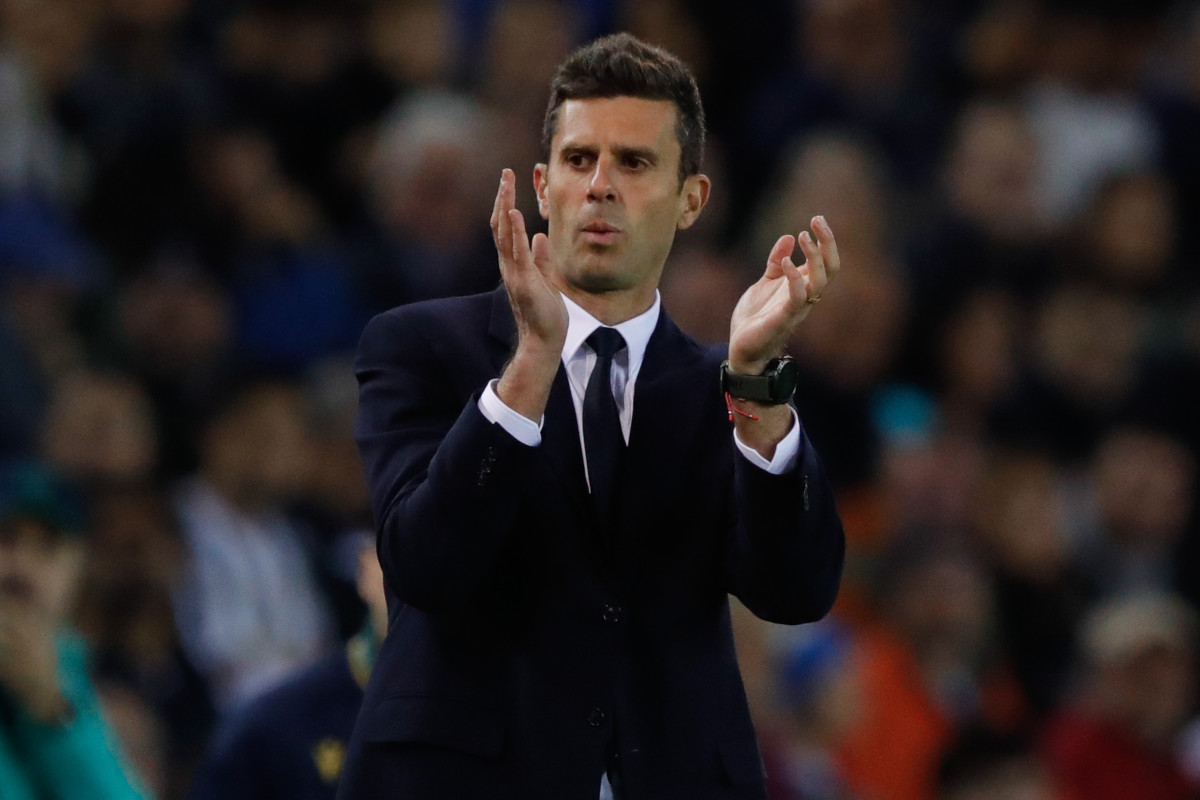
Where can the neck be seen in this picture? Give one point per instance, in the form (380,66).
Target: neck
(611,308)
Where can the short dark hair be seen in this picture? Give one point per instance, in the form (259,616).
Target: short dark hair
(622,65)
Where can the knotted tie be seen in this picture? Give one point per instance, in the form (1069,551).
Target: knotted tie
(602,435)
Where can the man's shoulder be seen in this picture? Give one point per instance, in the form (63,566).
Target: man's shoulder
(441,319)
(440,309)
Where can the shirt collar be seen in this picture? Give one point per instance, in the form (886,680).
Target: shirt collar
(636,331)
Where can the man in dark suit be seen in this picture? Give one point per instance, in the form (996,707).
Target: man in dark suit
(562,505)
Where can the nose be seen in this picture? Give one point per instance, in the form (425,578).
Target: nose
(601,187)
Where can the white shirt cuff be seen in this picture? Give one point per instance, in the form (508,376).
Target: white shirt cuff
(785,452)
(523,429)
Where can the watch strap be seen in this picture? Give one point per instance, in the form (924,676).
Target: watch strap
(761,388)
(746,387)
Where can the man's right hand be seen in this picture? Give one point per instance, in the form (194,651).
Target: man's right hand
(537,307)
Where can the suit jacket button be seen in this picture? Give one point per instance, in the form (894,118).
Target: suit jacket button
(596,717)
(611,613)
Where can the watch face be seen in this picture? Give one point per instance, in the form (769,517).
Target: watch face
(786,379)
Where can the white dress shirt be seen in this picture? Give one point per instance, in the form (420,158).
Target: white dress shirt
(579,359)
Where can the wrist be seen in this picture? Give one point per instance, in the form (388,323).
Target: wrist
(535,356)
(765,429)
(750,362)
(744,366)
(772,384)
(525,383)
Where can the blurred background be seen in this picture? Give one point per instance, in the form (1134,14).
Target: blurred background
(203,201)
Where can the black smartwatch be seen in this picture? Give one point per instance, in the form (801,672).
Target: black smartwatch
(774,386)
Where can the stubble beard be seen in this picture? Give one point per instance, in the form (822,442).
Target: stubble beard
(599,271)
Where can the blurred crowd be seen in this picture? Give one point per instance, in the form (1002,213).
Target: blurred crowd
(203,201)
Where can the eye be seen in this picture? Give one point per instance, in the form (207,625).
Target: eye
(635,163)
(577,160)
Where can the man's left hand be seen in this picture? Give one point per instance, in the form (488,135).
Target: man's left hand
(766,317)
(768,313)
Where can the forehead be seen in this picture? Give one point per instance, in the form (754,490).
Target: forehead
(617,121)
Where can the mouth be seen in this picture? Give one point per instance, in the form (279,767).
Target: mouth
(599,233)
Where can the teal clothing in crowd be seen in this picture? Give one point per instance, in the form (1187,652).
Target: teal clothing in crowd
(71,761)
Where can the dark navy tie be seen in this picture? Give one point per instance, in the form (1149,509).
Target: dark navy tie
(602,435)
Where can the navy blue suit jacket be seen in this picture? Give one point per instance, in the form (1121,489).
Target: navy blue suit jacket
(522,644)
(288,744)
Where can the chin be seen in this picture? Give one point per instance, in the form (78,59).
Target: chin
(600,281)
(600,284)
(598,275)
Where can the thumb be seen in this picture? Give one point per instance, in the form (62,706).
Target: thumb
(541,253)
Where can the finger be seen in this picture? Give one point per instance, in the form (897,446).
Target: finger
(494,221)
(798,280)
(504,237)
(783,248)
(815,263)
(498,207)
(792,272)
(520,241)
(827,245)
(541,253)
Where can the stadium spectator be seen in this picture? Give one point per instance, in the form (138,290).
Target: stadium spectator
(54,741)
(1119,736)
(247,604)
(291,741)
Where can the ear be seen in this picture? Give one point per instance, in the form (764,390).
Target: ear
(541,174)
(692,198)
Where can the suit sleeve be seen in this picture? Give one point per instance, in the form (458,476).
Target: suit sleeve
(445,482)
(788,548)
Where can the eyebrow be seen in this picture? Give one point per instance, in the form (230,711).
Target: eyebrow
(644,153)
(620,151)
